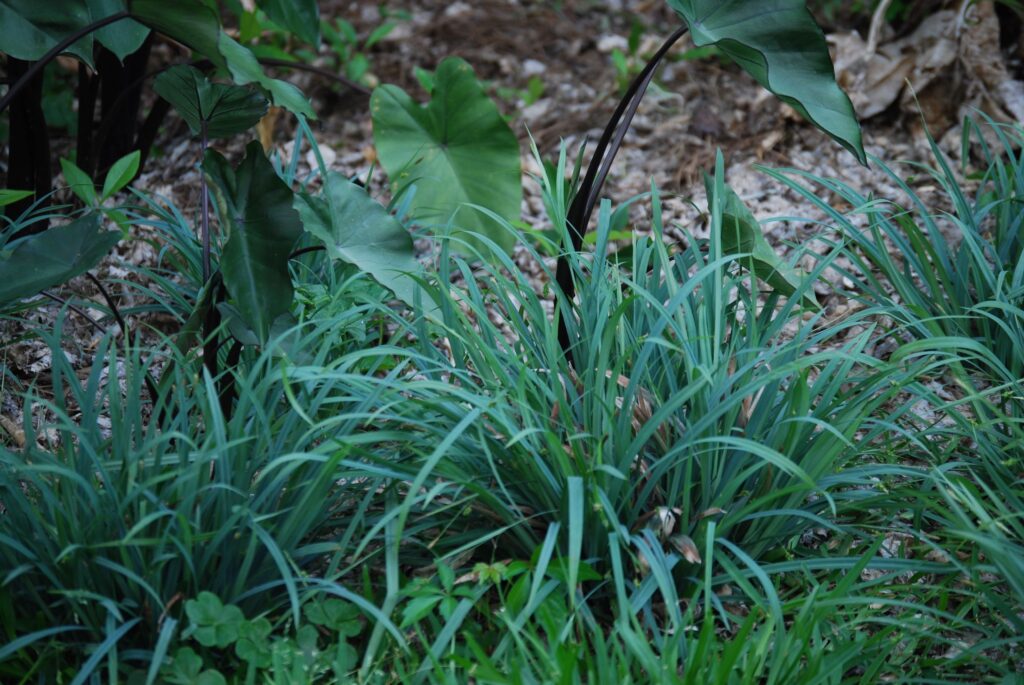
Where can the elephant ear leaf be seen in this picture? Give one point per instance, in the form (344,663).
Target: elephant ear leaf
(56,255)
(356,229)
(778,43)
(225,109)
(257,206)
(457,150)
(741,234)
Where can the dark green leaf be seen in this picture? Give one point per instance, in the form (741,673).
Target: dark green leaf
(226,109)
(185,666)
(191,22)
(456,150)
(358,230)
(257,205)
(30,28)
(210,677)
(345,659)
(778,43)
(56,255)
(301,17)
(246,69)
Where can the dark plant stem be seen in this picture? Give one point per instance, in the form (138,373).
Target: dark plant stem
(212,320)
(586,198)
(320,71)
(226,384)
(60,300)
(87,87)
(110,303)
(204,212)
(29,148)
(121,92)
(306,250)
(154,394)
(57,49)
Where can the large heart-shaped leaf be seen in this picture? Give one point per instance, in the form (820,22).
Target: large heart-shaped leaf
(456,150)
(358,230)
(191,22)
(226,109)
(257,205)
(778,43)
(245,68)
(301,17)
(30,28)
(56,255)
(741,235)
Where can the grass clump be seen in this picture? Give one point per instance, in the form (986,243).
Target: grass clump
(720,488)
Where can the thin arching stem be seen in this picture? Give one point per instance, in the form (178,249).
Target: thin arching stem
(57,49)
(154,394)
(212,319)
(110,303)
(589,192)
(60,300)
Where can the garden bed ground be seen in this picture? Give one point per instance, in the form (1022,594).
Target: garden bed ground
(551,66)
(695,107)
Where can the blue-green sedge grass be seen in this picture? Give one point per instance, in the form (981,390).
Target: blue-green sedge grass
(120,524)
(970,287)
(529,450)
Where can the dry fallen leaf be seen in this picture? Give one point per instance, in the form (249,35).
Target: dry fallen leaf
(712,511)
(685,546)
(265,128)
(16,433)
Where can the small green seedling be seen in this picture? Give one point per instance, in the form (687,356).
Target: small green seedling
(118,177)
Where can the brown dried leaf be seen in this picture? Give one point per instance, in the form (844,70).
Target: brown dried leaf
(265,128)
(685,546)
(713,511)
(13,430)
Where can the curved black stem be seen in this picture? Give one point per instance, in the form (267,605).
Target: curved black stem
(151,385)
(306,250)
(56,50)
(211,321)
(60,300)
(582,207)
(302,66)
(204,212)
(110,303)
(606,163)
(227,384)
